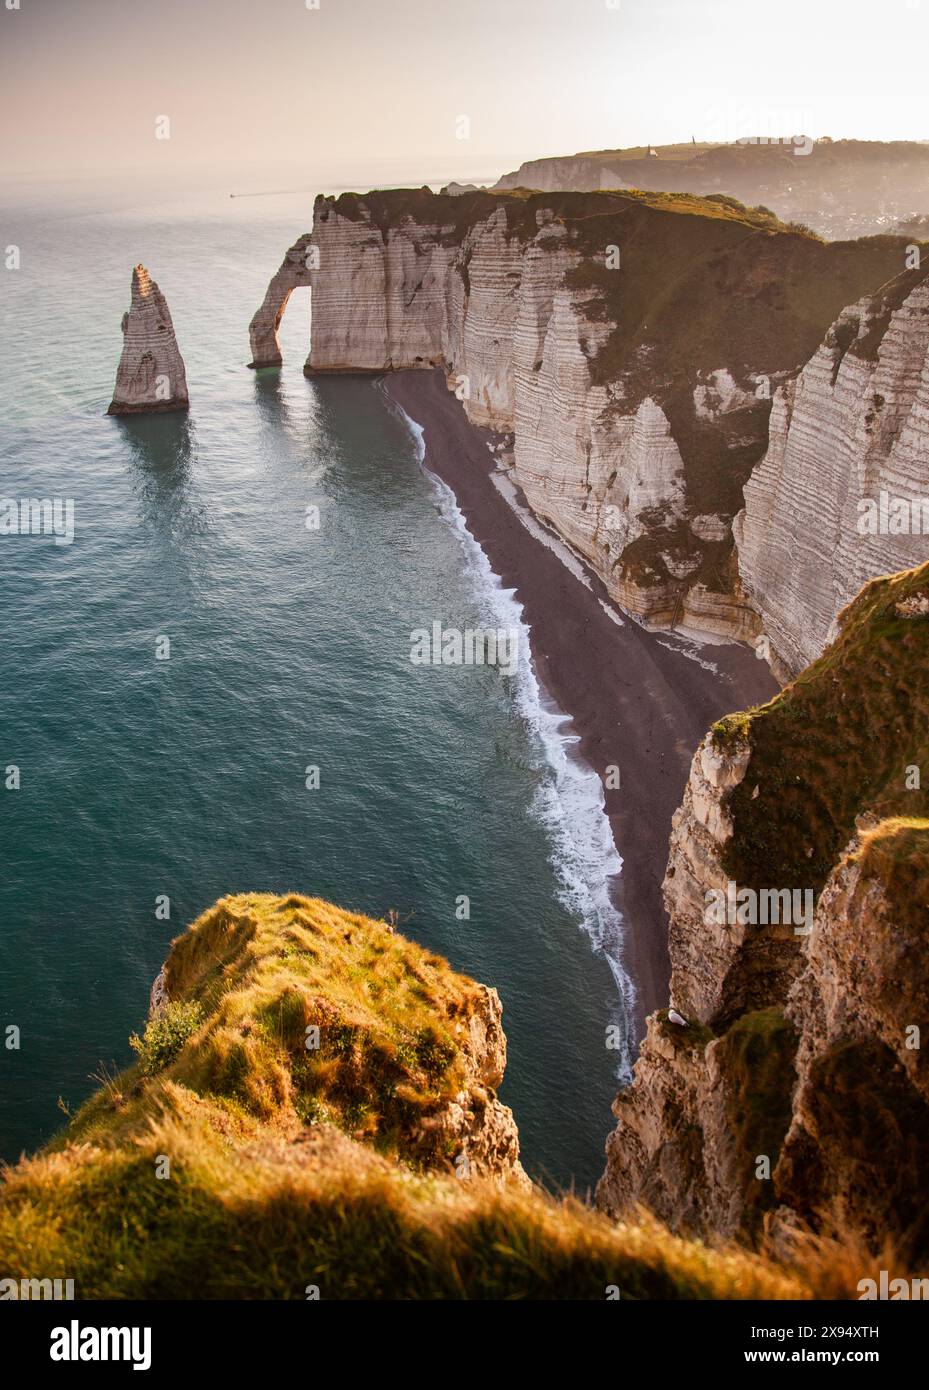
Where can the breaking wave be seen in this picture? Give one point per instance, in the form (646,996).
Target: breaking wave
(569,800)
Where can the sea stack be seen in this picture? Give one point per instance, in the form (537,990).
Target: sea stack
(151,372)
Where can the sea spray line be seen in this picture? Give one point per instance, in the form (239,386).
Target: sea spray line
(681,650)
(570,805)
(611,613)
(541,533)
(585,858)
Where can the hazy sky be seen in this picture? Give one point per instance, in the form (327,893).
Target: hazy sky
(355,82)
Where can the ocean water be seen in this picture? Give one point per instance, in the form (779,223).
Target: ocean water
(289,647)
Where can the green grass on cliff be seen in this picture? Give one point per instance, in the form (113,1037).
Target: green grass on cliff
(458,212)
(267,1221)
(756,1054)
(697,292)
(896,851)
(259,972)
(208,1171)
(871,1152)
(836,782)
(849,736)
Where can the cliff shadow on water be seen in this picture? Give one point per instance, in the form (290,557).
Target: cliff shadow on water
(271,399)
(163,453)
(162,448)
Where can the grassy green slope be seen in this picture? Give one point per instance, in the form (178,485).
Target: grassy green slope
(201,1172)
(841,740)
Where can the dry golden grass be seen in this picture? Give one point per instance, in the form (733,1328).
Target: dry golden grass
(204,1179)
(240,1221)
(393,1023)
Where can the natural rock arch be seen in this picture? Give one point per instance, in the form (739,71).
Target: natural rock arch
(262,331)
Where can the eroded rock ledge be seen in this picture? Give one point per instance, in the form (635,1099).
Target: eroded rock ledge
(423,1088)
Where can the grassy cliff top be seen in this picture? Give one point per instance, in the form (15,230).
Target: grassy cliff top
(828,152)
(388,207)
(283,1011)
(849,736)
(204,1171)
(896,851)
(846,169)
(269,1219)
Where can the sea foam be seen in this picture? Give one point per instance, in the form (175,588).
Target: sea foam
(569,800)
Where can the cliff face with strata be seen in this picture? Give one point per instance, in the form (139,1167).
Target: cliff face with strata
(630,345)
(583,173)
(851,429)
(151,375)
(796,1095)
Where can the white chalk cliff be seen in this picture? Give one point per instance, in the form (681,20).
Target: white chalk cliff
(492,308)
(630,445)
(853,426)
(580,172)
(151,374)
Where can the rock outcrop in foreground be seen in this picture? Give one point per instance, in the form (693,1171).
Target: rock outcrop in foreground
(796,1096)
(630,343)
(842,493)
(313,1113)
(151,372)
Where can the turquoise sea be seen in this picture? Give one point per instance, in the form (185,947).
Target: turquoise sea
(289,648)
